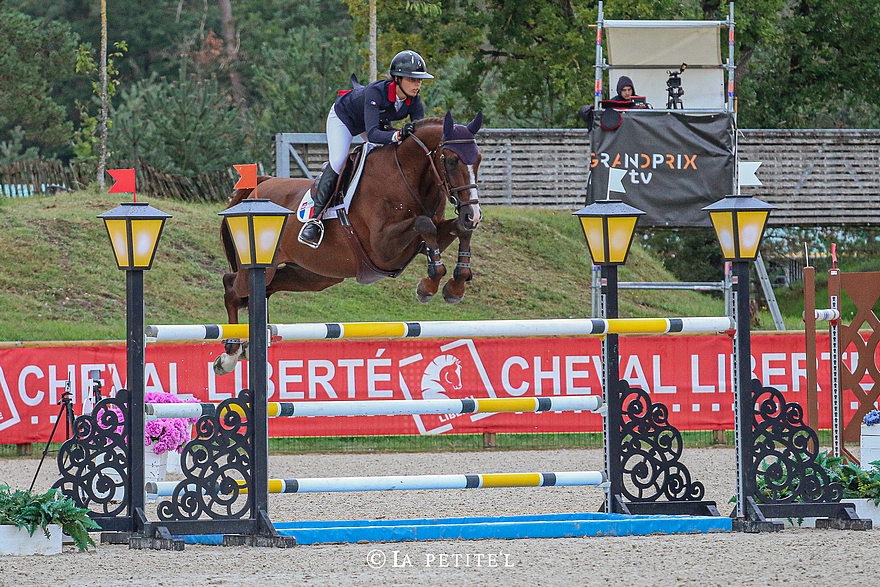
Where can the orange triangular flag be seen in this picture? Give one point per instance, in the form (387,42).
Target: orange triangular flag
(125,182)
(248,176)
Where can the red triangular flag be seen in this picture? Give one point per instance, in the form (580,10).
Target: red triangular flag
(248,176)
(125,181)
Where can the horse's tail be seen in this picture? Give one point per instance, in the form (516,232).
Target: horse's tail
(225,236)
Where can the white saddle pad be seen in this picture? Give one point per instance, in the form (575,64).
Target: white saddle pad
(304,212)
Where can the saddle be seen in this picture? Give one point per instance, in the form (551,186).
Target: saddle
(345,178)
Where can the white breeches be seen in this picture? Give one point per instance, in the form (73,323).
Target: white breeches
(338,140)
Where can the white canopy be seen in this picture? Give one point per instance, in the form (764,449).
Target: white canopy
(634,44)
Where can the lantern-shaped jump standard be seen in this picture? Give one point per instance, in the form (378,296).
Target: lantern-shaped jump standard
(608,227)
(134,229)
(739,223)
(256,226)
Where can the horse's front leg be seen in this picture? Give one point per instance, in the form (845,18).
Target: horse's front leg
(453,291)
(448,231)
(429,285)
(235,297)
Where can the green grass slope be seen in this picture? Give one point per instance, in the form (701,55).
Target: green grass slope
(58,280)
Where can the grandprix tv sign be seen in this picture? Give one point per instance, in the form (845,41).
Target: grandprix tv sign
(675,164)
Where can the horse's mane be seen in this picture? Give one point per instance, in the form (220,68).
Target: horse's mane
(426,121)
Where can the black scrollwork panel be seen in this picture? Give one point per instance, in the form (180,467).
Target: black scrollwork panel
(217,466)
(651,451)
(94,463)
(784,452)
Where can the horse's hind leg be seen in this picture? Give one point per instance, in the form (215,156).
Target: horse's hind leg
(233,301)
(428,286)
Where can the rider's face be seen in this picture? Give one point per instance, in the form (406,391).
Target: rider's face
(410,86)
(626,92)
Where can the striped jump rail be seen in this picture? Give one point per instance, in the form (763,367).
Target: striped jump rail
(591,403)
(447,329)
(413,482)
(824,315)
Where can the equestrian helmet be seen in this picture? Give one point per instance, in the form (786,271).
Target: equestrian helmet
(409,64)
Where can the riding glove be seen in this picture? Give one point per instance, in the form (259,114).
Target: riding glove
(407,130)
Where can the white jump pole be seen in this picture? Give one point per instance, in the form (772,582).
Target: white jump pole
(448,329)
(591,403)
(414,482)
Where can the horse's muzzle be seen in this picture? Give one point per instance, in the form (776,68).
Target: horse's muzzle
(470,216)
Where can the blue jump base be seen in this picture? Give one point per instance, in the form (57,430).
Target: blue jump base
(483,528)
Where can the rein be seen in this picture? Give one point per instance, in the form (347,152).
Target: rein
(442,180)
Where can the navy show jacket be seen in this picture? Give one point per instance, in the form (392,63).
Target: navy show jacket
(370,108)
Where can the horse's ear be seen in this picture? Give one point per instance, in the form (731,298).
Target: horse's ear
(448,124)
(475,124)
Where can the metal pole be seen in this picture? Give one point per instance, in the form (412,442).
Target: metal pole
(810,332)
(600,71)
(614,415)
(135,355)
(837,446)
(258,383)
(729,106)
(745,416)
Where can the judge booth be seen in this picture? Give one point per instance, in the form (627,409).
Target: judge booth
(673,147)
(678,151)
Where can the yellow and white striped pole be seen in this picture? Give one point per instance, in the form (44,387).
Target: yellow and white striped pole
(448,329)
(590,403)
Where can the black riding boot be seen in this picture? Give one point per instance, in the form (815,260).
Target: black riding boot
(313,232)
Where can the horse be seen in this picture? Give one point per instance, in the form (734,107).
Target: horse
(397,212)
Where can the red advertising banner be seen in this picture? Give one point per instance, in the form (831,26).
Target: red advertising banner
(690,374)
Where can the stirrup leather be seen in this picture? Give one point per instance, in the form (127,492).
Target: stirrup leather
(317,242)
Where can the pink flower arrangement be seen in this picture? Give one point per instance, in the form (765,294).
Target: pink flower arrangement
(166,434)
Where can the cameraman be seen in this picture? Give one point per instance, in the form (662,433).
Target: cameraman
(625,89)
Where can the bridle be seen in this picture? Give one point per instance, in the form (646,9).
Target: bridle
(449,191)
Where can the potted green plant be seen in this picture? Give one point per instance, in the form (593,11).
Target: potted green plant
(860,486)
(869,441)
(23,512)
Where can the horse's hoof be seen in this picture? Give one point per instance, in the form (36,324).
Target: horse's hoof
(246,350)
(450,297)
(220,366)
(423,294)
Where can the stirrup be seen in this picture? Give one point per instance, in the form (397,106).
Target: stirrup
(312,243)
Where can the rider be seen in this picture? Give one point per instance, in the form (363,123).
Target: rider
(367,111)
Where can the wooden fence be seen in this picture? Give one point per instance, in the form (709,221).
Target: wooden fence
(816,177)
(24,178)
(813,177)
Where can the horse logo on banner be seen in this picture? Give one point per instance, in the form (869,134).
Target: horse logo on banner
(441,374)
(455,372)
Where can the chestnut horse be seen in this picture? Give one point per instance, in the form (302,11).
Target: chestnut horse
(397,212)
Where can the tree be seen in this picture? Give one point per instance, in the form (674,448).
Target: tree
(298,78)
(186,126)
(34,55)
(824,67)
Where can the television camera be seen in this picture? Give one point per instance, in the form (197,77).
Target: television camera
(674,89)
